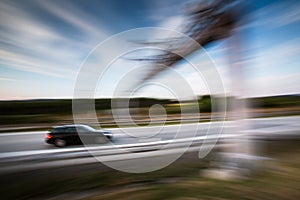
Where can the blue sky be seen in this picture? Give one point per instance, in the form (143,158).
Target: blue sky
(44,43)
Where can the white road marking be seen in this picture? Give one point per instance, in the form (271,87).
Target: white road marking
(286,127)
(23,133)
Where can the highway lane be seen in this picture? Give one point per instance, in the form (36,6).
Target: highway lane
(22,141)
(27,151)
(26,141)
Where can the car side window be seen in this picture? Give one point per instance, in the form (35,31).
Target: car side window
(64,130)
(82,130)
(71,130)
(58,130)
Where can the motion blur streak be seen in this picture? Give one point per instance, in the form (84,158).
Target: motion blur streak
(254,47)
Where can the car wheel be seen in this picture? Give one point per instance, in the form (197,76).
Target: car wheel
(110,138)
(60,143)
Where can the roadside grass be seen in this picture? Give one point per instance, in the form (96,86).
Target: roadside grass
(54,182)
(42,122)
(63,121)
(266,186)
(182,180)
(279,180)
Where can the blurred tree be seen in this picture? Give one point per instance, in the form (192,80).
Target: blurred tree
(207,21)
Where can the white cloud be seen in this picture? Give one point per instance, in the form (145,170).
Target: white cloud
(74,16)
(275,15)
(173,23)
(274,85)
(31,64)
(30,44)
(2,78)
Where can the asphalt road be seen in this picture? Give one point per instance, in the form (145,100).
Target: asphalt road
(28,141)
(137,148)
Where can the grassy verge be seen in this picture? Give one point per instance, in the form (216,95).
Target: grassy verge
(181,180)
(279,181)
(63,121)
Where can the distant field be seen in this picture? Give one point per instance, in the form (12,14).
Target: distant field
(44,113)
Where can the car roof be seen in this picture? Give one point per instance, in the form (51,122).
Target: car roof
(72,125)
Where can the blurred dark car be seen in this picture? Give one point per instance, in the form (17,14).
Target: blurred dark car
(77,134)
